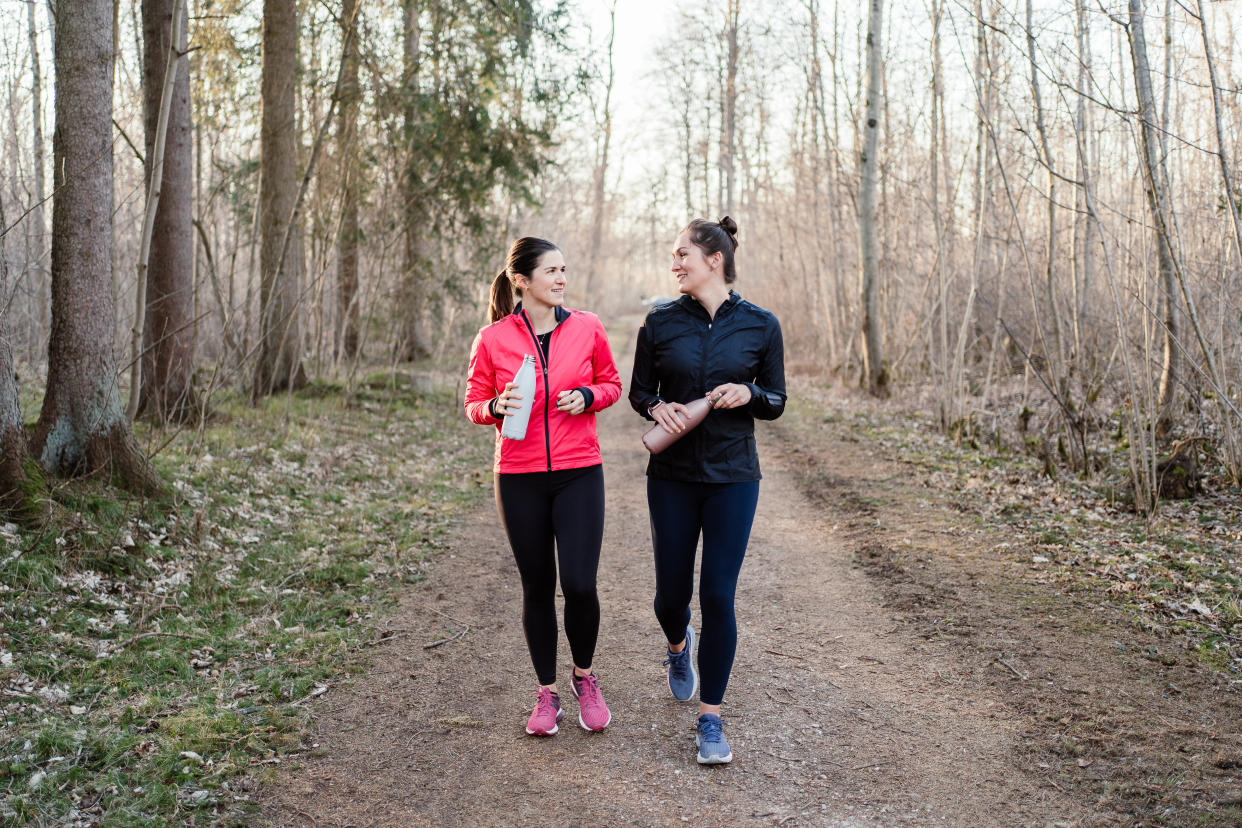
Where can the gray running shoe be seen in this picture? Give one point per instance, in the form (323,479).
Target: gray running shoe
(713,746)
(683,679)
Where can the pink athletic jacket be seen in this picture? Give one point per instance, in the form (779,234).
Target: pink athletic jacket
(579,357)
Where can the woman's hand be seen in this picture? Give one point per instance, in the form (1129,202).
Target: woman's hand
(730,395)
(571,402)
(671,416)
(509,400)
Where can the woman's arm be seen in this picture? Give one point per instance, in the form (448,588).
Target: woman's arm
(480,384)
(767,392)
(644,385)
(605,388)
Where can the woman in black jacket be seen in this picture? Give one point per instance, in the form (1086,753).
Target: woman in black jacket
(708,342)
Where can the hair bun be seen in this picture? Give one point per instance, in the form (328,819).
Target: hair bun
(728,225)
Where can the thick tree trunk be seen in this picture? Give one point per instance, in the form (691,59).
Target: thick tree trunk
(168,336)
(875,374)
(1084,241)
(348,236)
(279,364)
(82,428)
(1154,183)
(414,342)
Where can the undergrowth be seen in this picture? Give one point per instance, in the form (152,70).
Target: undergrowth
(154,654)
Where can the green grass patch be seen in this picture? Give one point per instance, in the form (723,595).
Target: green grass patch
(155,652)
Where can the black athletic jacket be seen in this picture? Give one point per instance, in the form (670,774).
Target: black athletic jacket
(683,353)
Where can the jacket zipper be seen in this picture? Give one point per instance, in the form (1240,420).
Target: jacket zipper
(543,364)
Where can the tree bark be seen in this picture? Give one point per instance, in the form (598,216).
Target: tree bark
(279,363)
(601,162)
(1084,243)
(1154,181)
(37,219)
(728,138)
(82,428)
(348,236)
(167,365)
(875,373)
(414,343)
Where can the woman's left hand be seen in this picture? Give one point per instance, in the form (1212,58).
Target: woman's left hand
(730,395)
(571,402)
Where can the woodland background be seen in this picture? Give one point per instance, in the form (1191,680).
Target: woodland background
(238,238)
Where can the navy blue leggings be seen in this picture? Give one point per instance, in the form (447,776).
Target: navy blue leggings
(556,517)
(723,513)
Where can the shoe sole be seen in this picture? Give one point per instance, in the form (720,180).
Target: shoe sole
(711,760)
(708,760)
(694,688)
(556,728)
(584,724)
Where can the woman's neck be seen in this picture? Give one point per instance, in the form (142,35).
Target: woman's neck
(542,317)
(711,297)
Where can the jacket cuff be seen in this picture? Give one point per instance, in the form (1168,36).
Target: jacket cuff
(491,409)
(587,395)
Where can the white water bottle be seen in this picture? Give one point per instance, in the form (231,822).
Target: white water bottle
(515,421)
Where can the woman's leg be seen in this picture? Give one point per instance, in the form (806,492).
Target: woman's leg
(675,527)
(578,522)
(727,517)
(524,502)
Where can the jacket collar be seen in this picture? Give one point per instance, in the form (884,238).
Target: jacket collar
(692,305)
(560,311)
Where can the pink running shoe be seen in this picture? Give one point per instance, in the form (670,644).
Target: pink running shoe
(542,721)
(592,712)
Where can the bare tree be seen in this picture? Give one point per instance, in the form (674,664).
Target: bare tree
(728,103)
(279,359)
(1155,182)
(415,342)
(37,218)
(166,367)
(82,427)
(875,373)
(603,145)
(18,482)
(348,235)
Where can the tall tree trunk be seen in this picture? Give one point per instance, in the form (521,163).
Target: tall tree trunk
(875,373)
(168,335)
(18,481)
(414,340)
(1084,242)
(1056,359)
(604,124)
(348,236)
(37,219)
(82,428)
(940,351)
(279,364)
(1154,183)
(728,138)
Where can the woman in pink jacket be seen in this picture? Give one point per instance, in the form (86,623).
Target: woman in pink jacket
(549,485)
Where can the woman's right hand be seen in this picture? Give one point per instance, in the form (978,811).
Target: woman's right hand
(508,400)
(671,416)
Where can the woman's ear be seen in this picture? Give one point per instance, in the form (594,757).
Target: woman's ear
(715,260)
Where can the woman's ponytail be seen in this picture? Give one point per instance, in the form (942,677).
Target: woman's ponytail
(501,302)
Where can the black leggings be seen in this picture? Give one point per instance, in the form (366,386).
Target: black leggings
(561,509)
(722,513)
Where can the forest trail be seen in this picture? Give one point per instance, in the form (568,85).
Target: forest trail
(837,714)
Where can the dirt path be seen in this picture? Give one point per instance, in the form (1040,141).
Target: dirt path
(838,713)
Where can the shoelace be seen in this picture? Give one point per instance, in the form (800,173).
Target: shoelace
(587,685)
(544,702)
(712,730)
(676,659)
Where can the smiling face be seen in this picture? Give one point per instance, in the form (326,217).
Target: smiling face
(546,283)
(695,271)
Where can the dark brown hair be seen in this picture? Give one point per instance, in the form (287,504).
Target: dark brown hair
(523,258)
(716,237)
